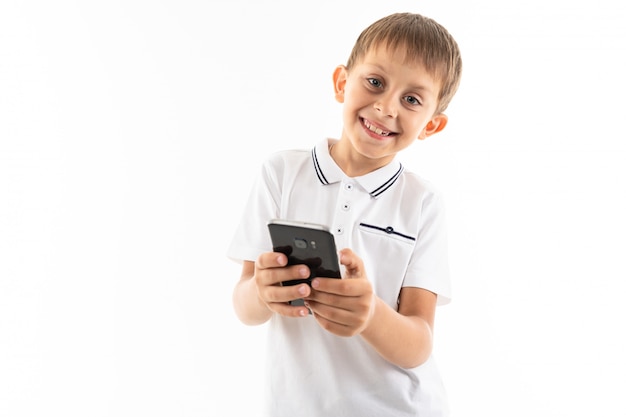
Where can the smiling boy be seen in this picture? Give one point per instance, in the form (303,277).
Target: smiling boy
(366,349)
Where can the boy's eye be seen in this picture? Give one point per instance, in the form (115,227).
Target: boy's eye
(412,100)
(375,82)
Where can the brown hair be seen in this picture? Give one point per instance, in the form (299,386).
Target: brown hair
(424,41)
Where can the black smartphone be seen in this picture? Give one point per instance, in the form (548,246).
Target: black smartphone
(305,243)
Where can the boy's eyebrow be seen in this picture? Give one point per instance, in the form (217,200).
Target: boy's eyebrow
(421,88)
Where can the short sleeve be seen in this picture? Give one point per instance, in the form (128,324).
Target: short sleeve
(428,267)
(251,237)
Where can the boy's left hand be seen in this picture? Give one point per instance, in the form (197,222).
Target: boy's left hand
(343,306)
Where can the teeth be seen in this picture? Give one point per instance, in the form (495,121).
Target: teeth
(375,129)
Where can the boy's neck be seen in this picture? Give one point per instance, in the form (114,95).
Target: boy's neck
(351,162)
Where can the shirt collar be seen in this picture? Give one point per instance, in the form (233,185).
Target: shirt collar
(375,182)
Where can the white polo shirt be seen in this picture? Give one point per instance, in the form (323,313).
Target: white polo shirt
(394,221)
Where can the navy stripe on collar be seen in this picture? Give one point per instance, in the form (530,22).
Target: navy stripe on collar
(377,192)
(318,169)
(387,184)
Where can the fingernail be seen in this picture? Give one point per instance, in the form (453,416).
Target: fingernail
(302,289)
(303,272)
(315,283)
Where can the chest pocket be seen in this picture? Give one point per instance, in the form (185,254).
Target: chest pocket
(387,253)
(387,231)
(387,244)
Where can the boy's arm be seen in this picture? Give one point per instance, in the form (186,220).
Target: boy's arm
(248,306)
(404,337)
(348,307)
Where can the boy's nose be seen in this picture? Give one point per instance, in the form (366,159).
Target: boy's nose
(386,106)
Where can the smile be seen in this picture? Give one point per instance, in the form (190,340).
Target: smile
(375,129)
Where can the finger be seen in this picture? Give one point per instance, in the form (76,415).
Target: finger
(270,260)
(328,298)
(342,287)
(271,269)
(334,320)
(284,294)
(352,263)
(287,310)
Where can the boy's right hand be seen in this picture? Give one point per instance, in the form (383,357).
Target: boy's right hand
(270,271)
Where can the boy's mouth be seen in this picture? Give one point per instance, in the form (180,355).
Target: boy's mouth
(369,126)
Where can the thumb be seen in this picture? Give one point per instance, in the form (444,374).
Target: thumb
(352,263)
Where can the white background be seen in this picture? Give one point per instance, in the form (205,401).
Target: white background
(131,131)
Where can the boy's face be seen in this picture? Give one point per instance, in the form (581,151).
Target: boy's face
(388,103)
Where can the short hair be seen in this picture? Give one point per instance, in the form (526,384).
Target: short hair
(424,41)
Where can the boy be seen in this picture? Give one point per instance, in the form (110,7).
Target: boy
(365,349)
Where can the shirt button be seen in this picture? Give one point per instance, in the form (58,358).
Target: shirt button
(349,187)
(340,230)
(345,207)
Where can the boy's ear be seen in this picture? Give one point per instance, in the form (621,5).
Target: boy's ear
(339,82)
(436,124)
